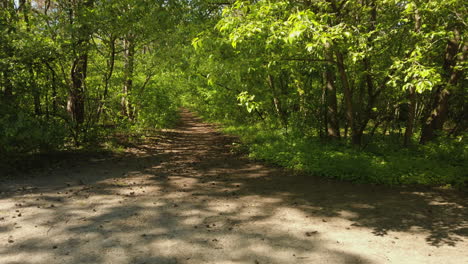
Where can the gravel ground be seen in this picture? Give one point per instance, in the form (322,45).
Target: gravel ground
(183,196)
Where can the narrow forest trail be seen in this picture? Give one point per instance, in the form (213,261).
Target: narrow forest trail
(184,197)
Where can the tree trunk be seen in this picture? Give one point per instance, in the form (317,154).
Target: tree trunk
(439,113)
(107,77)
(412,93)
(129,58)
(411,116)
(323,101)
(76,95)
(36,92)
(54,88)
(333,129)
(364,114)
(276,101)
(355,138)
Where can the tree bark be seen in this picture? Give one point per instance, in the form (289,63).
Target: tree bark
(355,138)
(129,58)
(36,92)
(323,102)
(54,88)
(276,101)
(76,94)
(411,116)
(333,129)
(412,93)
(439,112)
(107,77)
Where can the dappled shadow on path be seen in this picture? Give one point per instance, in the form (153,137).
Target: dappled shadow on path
(182,196)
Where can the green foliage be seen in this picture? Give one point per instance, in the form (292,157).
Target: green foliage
(382,163)
(158,105)
(60,60)
(388,63)
(298,78)
(21,133)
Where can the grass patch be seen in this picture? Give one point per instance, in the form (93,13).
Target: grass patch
(436,164)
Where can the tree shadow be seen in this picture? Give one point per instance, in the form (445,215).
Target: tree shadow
(184,197)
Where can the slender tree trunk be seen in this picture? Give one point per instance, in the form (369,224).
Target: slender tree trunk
(412,93)
(54,88)
(276,101)
(323,102)
(129,58)
(355,138)
(363,113)
(36,94)
(54,94)
(333,129)
(372,94)
(411,116)
(107,77)
(76,95)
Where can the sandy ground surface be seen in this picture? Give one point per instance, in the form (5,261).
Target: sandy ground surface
(184,197)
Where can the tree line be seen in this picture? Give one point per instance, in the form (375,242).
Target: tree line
(69,68)
(344,69)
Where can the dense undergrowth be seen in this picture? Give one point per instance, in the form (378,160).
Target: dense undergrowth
(443,163)
(28,144)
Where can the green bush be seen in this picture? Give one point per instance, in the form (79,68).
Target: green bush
(158,108)
(441,163)
(21,133)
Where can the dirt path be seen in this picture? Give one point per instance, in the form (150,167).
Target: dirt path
(185,198)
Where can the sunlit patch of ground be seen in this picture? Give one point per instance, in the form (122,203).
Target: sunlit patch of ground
(185,198)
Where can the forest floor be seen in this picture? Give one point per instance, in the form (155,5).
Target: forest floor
(183,196)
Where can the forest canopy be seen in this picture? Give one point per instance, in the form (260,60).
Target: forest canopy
(362,90)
